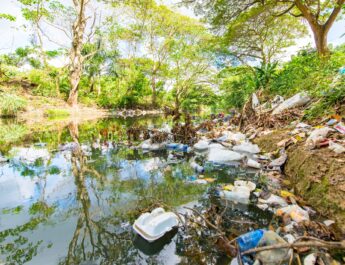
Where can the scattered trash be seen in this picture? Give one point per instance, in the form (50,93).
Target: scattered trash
(247,147)
(250,240)
(236,137)
(274,256)
(318,135)
(220,155)
(243,183)
(178,147)
(277,100)
(340,127)
(201,146)
(253,164)
(3,159)
(296,213)
(328,222)
(197,167)
(279,162)
(310,259)
(152,226)
(273,200)
(303,125)
(238,194)
(332,122)
(297,100)
(337,148)
(194,179)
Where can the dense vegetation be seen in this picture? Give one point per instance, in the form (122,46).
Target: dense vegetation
(145,55)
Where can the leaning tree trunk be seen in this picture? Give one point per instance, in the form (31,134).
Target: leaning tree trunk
(76,58)
(320,37)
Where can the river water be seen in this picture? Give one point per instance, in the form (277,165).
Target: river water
(61,204)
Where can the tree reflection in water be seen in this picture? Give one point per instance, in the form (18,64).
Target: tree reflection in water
(94,239)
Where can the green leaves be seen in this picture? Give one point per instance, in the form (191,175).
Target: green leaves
(7,17)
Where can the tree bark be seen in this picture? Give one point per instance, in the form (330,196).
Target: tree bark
(76,58)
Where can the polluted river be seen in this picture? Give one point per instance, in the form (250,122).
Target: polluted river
(71,196)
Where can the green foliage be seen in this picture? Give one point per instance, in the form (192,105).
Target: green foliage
(56,113)
(264,74)
(7,17)
(306,72)
(236,89)
(10,105)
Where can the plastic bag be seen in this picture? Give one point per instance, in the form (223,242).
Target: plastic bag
(274,256)
(247,147)
(337,148)
(219,155)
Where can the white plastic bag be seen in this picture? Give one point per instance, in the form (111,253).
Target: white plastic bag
(221,155)
(247,147)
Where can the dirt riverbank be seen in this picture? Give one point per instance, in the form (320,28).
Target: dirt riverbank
(317,175)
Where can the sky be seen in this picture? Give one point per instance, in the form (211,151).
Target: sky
(14,34)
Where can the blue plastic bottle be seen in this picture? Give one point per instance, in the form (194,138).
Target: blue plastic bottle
(250,239)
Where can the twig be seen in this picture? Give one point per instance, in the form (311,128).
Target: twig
(314,243)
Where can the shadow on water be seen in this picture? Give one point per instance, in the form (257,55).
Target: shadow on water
(70,197)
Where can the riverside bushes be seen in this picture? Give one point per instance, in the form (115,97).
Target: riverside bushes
(10,105)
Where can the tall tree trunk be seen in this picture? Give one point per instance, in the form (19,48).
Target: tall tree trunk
(76,58)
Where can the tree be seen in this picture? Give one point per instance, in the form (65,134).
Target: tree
(191,61)
(262,36)
(320,15)
(155,27)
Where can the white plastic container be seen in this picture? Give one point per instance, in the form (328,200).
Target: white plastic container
(152,226)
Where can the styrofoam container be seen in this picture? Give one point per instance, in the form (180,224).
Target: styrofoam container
(152,226)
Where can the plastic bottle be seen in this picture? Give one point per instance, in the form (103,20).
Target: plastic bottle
(197,167)
(250,240)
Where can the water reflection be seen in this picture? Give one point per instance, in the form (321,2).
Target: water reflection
(70,197)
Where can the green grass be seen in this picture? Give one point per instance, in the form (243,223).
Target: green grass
(10,105)
(11,133)
(56,113)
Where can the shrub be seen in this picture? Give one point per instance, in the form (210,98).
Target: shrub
(10,105)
